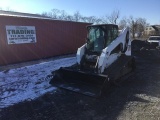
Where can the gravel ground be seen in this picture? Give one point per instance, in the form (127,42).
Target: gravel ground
(136,98)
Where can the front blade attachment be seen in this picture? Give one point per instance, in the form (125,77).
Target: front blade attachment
(90,84)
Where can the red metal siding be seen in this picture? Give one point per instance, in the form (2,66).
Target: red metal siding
(53,38)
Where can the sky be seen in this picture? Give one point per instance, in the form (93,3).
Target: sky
(148,9)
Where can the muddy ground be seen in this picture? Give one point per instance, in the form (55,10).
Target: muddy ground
(136,98)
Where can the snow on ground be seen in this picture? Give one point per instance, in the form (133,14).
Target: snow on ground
(29,82)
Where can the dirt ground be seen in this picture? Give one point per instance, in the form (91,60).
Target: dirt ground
(136,98)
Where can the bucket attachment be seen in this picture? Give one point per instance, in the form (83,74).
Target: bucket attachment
(86,83)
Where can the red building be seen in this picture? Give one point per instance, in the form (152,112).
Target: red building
(25,37)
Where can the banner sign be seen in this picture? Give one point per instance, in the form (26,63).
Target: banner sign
(21,34)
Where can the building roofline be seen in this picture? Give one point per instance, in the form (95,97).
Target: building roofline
(32,16)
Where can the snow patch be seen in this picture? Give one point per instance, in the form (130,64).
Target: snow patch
(29,82)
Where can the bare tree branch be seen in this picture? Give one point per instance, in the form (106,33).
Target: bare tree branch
(122,23)
(77,16)
(54,13)
(104,19)
(133,25)
(62,15)
(114,17)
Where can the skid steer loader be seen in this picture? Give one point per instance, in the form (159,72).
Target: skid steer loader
(103,59)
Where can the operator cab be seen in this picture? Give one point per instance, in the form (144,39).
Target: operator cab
(100,36)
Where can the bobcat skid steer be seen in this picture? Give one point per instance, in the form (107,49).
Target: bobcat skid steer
(103,59)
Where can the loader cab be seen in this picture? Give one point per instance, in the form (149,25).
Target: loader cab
(100,36)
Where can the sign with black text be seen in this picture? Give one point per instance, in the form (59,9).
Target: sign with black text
(20,34)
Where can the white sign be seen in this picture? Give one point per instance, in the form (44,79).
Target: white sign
(21,34)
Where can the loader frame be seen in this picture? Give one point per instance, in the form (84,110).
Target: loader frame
(95,71)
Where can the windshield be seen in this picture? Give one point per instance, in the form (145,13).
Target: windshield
(154,38)
(100,37)
(96,39)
